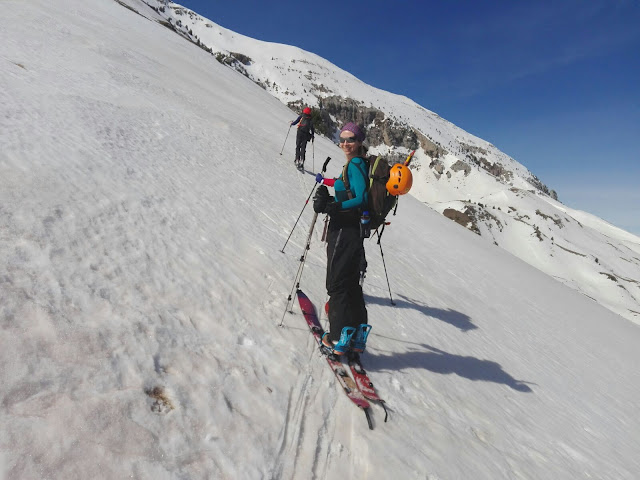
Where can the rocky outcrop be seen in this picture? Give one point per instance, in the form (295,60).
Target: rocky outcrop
(494,169)
(460,166)
(535,181)
(431,148)
(461,218)
(381,130)
(438,168)
(237,61)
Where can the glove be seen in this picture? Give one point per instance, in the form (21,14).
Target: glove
(332,208)
(319,178)
(320,199)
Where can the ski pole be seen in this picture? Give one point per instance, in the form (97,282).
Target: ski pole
(385,271)
(409,158)
(285,139)
(324,169)
(296,281)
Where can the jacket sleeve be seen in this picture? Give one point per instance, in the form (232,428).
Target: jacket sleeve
(329,182)
(296,120)
(357,182)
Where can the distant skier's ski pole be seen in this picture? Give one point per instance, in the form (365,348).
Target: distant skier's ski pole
(285,140)
(324,169)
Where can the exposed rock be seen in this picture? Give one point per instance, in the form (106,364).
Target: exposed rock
(432,149)
(557,221)
(461,218)
(461,166)
(480,213)
(537,232)
(494,169)
(535,181)
(380,128)
(243,59)
(472,216)
(438,168)
(571,251)
(466,148)
(232,61)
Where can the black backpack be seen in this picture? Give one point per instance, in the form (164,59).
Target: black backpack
(380,202)
(305,123)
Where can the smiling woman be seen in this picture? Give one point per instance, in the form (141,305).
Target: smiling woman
(345,249)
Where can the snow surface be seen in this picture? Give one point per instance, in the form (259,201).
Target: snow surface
(143,207)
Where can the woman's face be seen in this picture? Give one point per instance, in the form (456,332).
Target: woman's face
(349,145)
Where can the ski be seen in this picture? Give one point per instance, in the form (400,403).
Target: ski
(348,384)
(364,383)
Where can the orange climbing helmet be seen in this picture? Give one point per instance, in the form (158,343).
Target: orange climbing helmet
(400,180)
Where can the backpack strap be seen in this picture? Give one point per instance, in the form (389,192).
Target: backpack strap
(372,169)
(345,179)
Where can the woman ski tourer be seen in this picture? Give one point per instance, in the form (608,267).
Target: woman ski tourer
(348,326)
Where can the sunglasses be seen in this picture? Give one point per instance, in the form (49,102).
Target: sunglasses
(347,140)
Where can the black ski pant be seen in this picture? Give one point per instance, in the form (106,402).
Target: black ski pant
(302,138)
(345,250)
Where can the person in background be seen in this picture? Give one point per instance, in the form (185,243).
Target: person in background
(305,133)
(348,324)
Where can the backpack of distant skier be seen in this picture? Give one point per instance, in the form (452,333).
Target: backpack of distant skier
(380,201)
(305,123)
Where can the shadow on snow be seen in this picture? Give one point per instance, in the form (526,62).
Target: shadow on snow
(457,319)
(439,361)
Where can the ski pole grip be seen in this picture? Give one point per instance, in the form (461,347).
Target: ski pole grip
(326,162)
(409,158)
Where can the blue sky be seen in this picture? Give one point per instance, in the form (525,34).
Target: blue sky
(554,84)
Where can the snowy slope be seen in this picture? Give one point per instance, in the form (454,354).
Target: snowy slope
(142,213)
(472,174)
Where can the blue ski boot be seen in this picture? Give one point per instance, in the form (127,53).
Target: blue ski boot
(327,345)
(360,339)
(344,344)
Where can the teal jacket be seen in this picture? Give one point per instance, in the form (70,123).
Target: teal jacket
(358,172)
